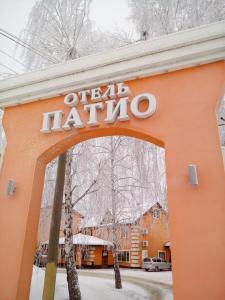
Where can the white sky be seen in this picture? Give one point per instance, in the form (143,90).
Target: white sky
(106,14)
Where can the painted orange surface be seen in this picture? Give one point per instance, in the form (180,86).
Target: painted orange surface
(98,256)
(96,259)
(184,123)
(158,233)
(110,258)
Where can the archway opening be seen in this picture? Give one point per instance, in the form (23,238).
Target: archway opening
(136,202)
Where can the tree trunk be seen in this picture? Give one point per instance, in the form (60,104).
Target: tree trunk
(72,276)
(118,282)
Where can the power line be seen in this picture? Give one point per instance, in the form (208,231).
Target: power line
(10,56)
(5,73)
(17,42)
(24,44)
(1,64)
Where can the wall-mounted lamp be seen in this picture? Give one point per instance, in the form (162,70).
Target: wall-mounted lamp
(11,187)
(193,175)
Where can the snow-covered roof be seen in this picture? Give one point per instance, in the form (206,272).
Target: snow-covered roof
(89,240)
(130,215)
(126,215)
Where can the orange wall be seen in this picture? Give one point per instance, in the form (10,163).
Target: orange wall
(158,232)
(98,256)
(157,236)
(97,260)
(110,258)
(184,123)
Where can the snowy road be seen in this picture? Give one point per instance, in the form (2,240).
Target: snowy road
(154,289)
(99,284)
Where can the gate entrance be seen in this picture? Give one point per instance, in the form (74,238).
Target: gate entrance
(166,92)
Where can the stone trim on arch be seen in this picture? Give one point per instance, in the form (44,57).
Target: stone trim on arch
(180,50)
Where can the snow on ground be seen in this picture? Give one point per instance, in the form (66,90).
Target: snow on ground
(163,277)
(91,288)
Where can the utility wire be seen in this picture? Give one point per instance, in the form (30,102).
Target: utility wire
(19,43)
(1,64)
(5,73)
(10,56)
(24,44)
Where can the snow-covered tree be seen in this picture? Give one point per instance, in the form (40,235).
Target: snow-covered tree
(153,18)
(158,17)
(59,30)
(221,122)
(128,183)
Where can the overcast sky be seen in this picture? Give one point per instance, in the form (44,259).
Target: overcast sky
(106,14)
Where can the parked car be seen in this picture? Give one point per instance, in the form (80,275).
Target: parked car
(155,264)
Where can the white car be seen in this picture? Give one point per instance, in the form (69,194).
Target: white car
(155,264)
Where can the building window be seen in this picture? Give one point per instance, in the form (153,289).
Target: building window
(124,232)
(123,256)
(162,254)
(156,213)
(145,231)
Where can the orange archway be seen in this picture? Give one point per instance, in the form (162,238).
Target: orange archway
(184,124)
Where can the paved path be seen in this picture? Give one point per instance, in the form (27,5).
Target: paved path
(155,290)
